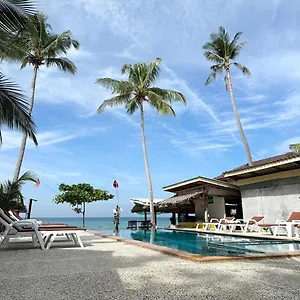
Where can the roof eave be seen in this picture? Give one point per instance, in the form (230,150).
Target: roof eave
(200,179)
(263,167)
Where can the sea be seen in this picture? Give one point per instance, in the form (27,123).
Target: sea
(99,224)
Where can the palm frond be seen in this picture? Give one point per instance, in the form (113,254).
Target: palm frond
(14,109)
(119,100)
(215,57)
(168,95)
(25,62)
(9,49)
(10,192)
(235,39)
(132,106)
(117,86)
(295,148)
(235,51)
(126,69)
(153,71)
(244,69)
(162,107)
(13,14)
(212,76)
(62,63)
(59,44)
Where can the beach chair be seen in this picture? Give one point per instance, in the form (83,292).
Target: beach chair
(214,223)
(244,226)
(289,226)
(44,236)
(14,216)
(298,231)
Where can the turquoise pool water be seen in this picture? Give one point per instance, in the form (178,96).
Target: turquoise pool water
(208,244)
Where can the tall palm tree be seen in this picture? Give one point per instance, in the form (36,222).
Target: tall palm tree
(42,47)
(133,94)
(13,106)
(11,196)
(222,52)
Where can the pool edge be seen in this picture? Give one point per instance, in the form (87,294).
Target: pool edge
(197,257)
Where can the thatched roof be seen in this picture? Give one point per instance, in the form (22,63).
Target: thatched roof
(180,200)
(139,208)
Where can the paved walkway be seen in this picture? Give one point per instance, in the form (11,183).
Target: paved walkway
(107,269)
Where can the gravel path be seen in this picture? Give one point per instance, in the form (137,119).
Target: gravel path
(107,269)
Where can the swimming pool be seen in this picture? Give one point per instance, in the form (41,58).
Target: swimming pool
(209,244)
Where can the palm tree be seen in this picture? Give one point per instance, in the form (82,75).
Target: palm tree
(134,94)
(10,192)
(13,106)
(42,47)
(222,52)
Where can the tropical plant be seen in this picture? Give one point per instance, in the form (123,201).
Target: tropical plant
(42,48)
(223,51)
(295,148)
(77,195)
(133,94)
(11,196)
(13,106)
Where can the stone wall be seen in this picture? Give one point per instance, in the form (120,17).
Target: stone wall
(274,199)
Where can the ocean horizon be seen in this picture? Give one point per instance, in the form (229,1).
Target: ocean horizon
(101,223)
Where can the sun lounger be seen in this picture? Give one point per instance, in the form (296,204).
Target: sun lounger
(244,226)
(298,231)
(42,235)
(215,223)
(289,226)
(16,217)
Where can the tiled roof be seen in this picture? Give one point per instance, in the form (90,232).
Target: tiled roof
(263,162)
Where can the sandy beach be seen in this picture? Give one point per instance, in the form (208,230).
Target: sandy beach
(107,269)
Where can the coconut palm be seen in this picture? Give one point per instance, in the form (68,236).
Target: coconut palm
(42,48)
(10,192)
(133,94)
(222,52)
(13,105)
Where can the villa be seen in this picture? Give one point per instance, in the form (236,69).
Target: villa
(270,188)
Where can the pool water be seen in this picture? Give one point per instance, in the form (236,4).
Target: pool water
(209,244)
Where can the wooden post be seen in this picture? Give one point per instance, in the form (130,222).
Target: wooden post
(83,215)
(29,208)
(205,197)
(174,218)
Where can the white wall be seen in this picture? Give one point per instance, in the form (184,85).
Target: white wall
(217,208)
(275,199)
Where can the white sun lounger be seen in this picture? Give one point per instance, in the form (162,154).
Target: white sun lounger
(245,226)
(216,223)
(44,236)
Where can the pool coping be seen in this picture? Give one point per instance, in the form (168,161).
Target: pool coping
(196,257)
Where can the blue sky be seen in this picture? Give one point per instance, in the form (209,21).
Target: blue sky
(76,145)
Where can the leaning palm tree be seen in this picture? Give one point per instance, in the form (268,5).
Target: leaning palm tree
(222,52)
(13,106)
(133,94)
(42,48)
(11,196)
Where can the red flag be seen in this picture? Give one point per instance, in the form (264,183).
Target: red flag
(37,184)
(115,184)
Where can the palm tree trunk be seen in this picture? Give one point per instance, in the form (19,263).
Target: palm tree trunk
(152,212)
(237,117)
(24,138)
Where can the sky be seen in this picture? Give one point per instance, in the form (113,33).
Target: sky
(76,145)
